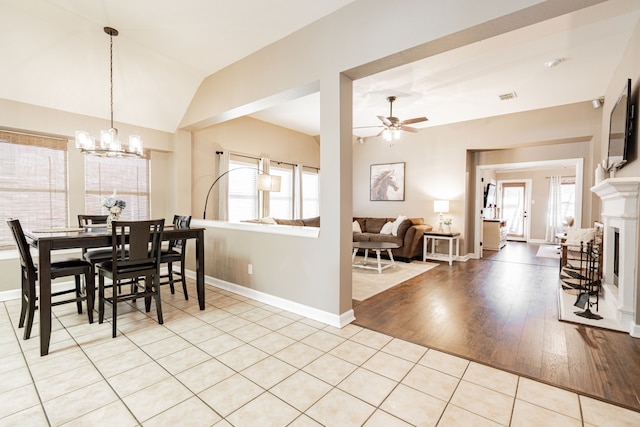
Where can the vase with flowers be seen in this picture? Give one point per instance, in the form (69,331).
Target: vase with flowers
(115,207)
(447,224)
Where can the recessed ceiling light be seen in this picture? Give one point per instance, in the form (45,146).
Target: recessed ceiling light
(553,62)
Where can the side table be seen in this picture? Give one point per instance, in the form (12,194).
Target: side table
(434,235)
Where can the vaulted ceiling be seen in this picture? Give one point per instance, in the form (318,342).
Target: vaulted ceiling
(55,54)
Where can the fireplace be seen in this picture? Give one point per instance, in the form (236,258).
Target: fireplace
(620,217)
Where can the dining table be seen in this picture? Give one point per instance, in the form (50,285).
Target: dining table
(47,241)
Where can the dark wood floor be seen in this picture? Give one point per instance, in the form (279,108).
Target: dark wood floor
(502,311)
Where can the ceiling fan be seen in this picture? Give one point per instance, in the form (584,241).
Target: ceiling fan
(393,125)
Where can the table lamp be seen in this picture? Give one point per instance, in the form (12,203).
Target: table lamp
(441,207)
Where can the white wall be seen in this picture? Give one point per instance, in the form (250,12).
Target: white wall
(436,161)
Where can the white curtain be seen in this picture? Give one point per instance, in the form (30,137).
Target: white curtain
(554,209)
(264,166)
(223,186)
(297,191)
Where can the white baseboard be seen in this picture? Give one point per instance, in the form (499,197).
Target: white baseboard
(330,319)
(10,295)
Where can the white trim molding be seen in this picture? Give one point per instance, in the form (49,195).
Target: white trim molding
(338,321)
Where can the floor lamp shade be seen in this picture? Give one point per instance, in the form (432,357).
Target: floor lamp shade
(268,182)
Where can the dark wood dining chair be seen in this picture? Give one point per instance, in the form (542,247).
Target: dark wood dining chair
(89,220)
(135,260)
(175,252)
(59,268)
(97,255)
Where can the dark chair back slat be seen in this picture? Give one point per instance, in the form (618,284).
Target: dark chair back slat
(176,253)
(26,261)
(88,220)
(180,221)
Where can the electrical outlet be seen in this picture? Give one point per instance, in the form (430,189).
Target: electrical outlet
(250,268)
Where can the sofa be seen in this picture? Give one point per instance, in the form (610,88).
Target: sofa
(409,234)
(305,222)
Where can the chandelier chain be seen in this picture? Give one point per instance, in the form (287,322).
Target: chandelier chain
(111,74)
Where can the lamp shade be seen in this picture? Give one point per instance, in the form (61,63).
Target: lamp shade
(441,206)
(268,182)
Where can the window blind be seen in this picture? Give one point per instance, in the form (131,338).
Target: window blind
(33,182)
(128,177)
(243,193)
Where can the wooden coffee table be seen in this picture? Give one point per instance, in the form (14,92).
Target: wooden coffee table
(377,247)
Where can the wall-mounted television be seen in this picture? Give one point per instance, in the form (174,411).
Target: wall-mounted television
(620,129)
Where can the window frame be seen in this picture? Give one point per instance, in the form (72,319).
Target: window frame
(46,161)
(137,197)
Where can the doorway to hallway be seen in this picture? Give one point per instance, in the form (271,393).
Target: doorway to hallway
(515,202)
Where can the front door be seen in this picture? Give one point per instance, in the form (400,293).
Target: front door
(513,201)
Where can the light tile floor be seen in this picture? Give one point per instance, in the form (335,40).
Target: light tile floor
(243,363)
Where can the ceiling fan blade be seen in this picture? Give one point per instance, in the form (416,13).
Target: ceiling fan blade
(365,127)
(415,120)
(409,129)
(381,132)
(385,121)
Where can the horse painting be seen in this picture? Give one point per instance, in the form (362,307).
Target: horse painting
(387,182)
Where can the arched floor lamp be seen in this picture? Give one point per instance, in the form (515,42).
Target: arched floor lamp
(265,182)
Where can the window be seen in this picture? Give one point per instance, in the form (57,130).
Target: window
(128,177)
(298,197)
(33,182)
(281,202)
(310,193)
(243,193)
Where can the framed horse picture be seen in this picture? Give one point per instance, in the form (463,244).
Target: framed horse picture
(387,182)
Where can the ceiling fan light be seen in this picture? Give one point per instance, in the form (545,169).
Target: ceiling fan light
(386,134)
(396,133)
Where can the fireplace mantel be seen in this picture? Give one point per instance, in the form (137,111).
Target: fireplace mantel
(620,215)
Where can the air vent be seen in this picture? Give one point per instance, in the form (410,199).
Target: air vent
(507,96)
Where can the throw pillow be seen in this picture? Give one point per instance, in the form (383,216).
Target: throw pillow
(387,228)
(356,227)
(577,235)
(397,223)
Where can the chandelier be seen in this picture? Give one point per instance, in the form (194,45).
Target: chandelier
(110,145)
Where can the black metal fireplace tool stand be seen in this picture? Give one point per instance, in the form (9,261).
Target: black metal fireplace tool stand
(588,273)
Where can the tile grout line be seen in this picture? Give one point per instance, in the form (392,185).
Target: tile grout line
(26,362)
